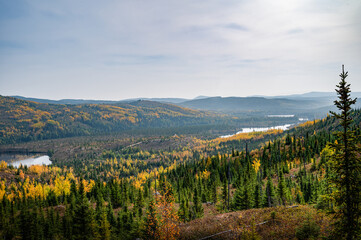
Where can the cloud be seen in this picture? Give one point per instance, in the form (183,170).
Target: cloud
(117,60)
(207,45)
(295,31)
(236,26)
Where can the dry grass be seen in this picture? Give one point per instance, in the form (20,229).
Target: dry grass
(283,227)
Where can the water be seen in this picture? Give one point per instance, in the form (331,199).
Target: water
(281,116)
(259,129)
(26,160)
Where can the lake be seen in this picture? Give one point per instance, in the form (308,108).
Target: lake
(26,160)
(259,129)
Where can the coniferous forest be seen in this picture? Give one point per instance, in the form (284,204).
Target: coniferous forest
(302,183)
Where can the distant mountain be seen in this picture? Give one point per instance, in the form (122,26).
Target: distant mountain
(251,104)
(89,101)
(311,105)
(66,101)
(163,100)
(201,97)
(311,95)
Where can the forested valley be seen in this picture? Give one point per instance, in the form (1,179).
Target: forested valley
(260,185)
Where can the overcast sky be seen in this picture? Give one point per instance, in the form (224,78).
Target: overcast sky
(117,49)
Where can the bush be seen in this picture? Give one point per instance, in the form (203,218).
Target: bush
(247,232)
(308,230)
(273,216)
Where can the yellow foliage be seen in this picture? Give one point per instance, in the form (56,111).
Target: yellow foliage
(308,123)
(38,169)
(205,174)
(3,165)
(250,135)
(88,185)
(38,125)
(256,164)
(61,185)
(21,174)
(2,190)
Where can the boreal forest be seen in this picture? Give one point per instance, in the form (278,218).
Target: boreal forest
(152,170)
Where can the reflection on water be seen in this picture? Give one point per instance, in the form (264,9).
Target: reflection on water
(26,160)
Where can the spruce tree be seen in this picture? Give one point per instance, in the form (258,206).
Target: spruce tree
(247,201)
(237,199)
(346,165)
(214,193)
(282,189)
(183,211)
(84,221)
(104,225)
(197,204)
(257,196)
(269,197)
(225,194)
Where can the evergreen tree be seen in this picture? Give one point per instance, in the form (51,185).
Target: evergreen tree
(269,197)
(225,194)
(282,189)
(346,165)
(183,211)
(257,196)
(84,223)
(104,225)
(237,199)
(197,205)
(214,193)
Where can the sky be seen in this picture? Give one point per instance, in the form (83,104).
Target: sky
(119,49)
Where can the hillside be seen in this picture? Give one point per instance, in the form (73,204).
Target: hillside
(207,186)
(22,120)
(258,222)
(90,101)
(311,105)
(120,182)
(254,105)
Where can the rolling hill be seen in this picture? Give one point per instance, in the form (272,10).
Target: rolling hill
(251,104)
(310,105)
(22,120)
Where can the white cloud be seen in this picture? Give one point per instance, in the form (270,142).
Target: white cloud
(178,48)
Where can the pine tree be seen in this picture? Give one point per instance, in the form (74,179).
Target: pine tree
(247,201)
(104,225)
(237,199)
(257,196)
(197,204)
(84,222)
(183,211)
(214,192)
(225,194)
(282,189)
(269,197)
(346,165)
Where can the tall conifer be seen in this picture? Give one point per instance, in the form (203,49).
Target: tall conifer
(346,165)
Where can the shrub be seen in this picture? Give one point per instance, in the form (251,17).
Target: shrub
(308,230)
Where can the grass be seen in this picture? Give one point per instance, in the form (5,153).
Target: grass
(283,226)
